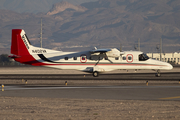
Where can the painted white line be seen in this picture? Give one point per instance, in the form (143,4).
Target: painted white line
(84,87)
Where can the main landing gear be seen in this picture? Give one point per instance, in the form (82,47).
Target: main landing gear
(95,74)
(158,74)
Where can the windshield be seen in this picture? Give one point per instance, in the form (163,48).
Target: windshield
(143,57)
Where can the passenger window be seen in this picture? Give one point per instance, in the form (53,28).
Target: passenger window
(129,58)
(66,58)
(124,58)
(75,58)
(83,58)
(116,58)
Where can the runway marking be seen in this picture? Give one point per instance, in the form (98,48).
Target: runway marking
(85,87)
(170,98)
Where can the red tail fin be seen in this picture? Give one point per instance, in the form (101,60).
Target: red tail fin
(18,46)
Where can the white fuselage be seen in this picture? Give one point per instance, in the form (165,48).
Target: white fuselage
(85,61)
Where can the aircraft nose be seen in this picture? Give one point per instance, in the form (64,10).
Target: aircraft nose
(169,66)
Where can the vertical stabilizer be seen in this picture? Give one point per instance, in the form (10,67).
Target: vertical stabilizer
(20,43)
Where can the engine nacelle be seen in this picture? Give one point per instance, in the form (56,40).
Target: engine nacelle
(113,53)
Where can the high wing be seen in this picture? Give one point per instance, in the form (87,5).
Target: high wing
(100,51)
(108,52)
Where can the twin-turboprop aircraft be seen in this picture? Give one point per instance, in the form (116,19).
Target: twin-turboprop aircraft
(93,61)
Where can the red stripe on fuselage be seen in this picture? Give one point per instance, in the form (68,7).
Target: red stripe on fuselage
(29,59)
(106,64)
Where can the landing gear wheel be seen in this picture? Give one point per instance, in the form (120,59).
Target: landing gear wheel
(158,74)
(95,74)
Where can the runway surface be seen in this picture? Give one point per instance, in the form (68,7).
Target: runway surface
(119,86)
(168,76)
(96,92)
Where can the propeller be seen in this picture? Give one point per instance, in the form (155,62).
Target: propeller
(105,56)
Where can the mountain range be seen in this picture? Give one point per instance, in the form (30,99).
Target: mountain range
(103,23)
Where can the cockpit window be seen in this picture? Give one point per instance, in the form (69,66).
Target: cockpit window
(143,57)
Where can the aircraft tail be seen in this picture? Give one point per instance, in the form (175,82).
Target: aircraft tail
(23,51)
(20,44)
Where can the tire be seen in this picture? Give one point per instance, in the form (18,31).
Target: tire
(95,74)
(157,74)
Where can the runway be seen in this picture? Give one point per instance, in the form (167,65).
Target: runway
(117,86)
(96,92)
(167,76)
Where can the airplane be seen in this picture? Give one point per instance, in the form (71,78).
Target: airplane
(93,61)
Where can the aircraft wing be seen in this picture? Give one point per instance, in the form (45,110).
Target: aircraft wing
(100,50)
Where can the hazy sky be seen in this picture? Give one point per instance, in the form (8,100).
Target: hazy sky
(34,6)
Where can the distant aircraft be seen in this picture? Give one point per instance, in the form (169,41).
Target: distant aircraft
(93,61)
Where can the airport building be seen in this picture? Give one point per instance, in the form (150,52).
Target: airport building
(166,57)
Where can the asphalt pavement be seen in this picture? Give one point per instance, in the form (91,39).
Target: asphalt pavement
(119,86)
